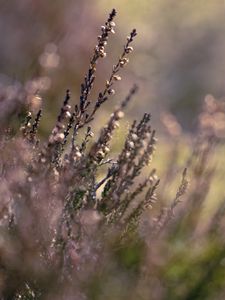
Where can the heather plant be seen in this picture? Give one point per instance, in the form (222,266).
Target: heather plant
(77,222)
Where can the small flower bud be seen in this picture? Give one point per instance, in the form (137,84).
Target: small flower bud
(91,134)
(100,154)
(109,136)
(129,49)
(130,144)
(111,92)
(134,137)
(55,130)
(22,128)
(155,177)
(127,155)
(124,61)
(150,179)
(29,179)
(67,107)
(119,114)
(115,125)
(59,137)
(121,63)
(43,160)
(51,139)
(68,115)
(116,77)
(102,54)
(106,149)
(78,154)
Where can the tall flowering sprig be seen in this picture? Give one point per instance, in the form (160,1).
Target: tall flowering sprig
(99,52)
(123,60)
(26,126)
(57,135)
(84,118)
(101,148)
(56,140)
(80,114)
(29,129)
(137,152)
(35,126)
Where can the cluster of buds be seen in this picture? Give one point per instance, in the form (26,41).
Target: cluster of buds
(103,38)
(76,153)
(151,196)
(111,91)
(117,77)
(99,52)
(25,128)
(129,49)
(57,135)
(33,131)
(153,176)
(139,146)
(101,148)
(29,129)
(89,134)
(123,60)
(130,145)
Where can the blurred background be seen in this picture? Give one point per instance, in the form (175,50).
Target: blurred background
(178,58)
